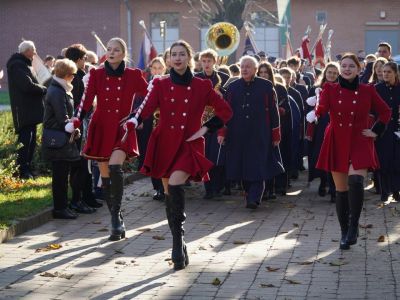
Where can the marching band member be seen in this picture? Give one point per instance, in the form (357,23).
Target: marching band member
(348,147)
(181,99)
(214,151)
(114,85)
(388,145)
(253,134)
(285,117)
(315,133)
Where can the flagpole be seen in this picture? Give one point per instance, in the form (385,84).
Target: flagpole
(321,32)
(99,41)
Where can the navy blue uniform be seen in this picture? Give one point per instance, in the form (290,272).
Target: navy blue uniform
(388,145)
(251,156)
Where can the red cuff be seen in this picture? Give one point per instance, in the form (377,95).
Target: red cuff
(276,134)
(222,131)
(77,123)
(130,126)
(310,131)
(282,111)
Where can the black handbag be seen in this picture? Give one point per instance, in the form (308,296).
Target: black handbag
(54,139)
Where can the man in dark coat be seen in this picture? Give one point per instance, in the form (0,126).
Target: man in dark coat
(253,134)
(26,95)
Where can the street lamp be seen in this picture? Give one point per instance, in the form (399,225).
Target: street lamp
(163,32)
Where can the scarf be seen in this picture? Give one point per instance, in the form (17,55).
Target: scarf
(117,72)
(344,83)
(65,84)
(184,79)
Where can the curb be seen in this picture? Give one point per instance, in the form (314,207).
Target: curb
(25,224)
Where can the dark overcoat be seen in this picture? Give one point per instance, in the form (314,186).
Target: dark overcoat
(26,94)
(250,154)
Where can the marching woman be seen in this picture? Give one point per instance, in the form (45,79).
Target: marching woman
(175,151)
(388,145)
(348,147)
(315,133)
(114,85)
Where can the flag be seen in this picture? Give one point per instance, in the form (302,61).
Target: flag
(289,49)
(319,53)
(249,47)
(100,49)
(304,52)
(147,52)
(101,52)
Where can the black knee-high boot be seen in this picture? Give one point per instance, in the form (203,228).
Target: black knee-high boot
(175,202)
(342,210)
(117,190)
(106,191)
(356,199)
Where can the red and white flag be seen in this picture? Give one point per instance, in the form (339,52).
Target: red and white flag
(147,49)
(319,53)
(304,52)
(100,49)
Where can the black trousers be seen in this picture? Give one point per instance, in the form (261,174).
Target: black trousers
(81,181)
(60,171)
(27,137)
(217,180)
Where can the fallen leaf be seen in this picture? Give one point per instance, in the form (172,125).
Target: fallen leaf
(158,237)
(96,222)
(66,276)
(271,269)
(202,248)
(120,262)
(266,285)
(302,234)
(237,242)
(381,239)
(49,247)
(305,263)
(335,241)
(207,224)
(295,225)
(366,226)
(167,259)
(117,251)
(48,274)
(212,246)
(308,211)
(337,263)
(102,230)
(289,205)
(144,229)
(133,261)
(291,281)
(216,281)
(381,205)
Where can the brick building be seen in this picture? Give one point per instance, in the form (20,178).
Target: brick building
(53,25)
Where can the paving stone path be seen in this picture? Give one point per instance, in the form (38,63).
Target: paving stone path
(287,249)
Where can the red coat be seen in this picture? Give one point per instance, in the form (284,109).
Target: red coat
(181,110)
(114,103)
(349,111)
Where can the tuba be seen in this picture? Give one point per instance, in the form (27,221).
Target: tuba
(224,38)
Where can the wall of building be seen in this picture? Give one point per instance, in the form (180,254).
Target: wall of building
(55,24)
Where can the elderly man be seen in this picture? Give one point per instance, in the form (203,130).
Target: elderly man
(26,95)
(253,134)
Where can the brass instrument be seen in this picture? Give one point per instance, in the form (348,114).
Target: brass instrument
(156,117)
(224,38)
(209,111)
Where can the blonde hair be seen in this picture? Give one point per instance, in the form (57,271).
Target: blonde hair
(64,67)
(122,43)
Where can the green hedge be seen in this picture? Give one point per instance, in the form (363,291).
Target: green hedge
(4,98)
(8,152)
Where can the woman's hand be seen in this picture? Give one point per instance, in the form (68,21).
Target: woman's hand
(369,133)
(220,139)
(202,131)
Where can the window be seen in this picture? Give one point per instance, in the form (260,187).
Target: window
(171,33)
(266,34)
(320,17)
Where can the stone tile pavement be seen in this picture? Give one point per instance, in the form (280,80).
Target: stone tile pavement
(287,249)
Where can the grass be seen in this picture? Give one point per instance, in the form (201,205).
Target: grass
(30,198)
(4,98)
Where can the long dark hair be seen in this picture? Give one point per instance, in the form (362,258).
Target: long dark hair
(331,64)
(270,72)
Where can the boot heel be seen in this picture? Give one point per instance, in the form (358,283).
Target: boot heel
(179,265)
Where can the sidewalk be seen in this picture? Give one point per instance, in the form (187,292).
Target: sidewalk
(287,249)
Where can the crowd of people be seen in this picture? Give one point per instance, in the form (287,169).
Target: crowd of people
(248,126)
